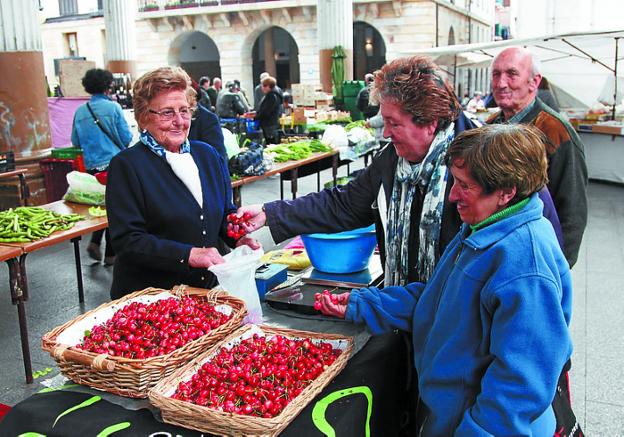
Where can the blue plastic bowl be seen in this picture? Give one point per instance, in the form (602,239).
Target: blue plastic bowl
(344,252)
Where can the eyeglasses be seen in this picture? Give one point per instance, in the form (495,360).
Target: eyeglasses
(169,113)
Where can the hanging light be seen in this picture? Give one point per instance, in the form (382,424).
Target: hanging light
(368,46)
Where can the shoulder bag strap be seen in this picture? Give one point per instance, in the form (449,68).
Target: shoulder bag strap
(97,121)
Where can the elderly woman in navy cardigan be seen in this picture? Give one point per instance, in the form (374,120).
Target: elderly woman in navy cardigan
(168,198)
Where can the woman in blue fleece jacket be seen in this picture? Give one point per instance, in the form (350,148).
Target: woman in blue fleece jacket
(490,328)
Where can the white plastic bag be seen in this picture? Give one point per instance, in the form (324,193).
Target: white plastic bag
(237,276)
(335,136)
(84,188)
(230,142)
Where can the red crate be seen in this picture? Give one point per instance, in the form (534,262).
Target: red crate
(54,176)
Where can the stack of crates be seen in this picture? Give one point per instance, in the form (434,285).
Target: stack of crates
(55,169)
(7,161)
(72,153)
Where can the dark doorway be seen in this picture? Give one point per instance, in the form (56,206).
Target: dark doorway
(198,55)
(276,52)
(369,50)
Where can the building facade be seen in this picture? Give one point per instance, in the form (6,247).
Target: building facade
(238,39)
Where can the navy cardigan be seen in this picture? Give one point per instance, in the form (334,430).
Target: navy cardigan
(155,221)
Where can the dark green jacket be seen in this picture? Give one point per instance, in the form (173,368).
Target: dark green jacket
(567,173)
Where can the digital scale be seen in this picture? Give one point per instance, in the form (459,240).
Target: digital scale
(297,293)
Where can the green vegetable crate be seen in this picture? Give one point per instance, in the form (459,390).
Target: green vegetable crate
(66,152)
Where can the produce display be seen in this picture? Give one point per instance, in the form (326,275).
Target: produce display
(96,211)
(317,127)
(238,231)
(296,151)
(30,223)
(358,123)
(259,376)
(140,331)
(293,139)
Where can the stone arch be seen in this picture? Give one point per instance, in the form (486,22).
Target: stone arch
(283,64)
(369,49)
(197,53)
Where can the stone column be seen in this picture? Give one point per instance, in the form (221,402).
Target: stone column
(269,53)
(119,22)
(334,20)
(24,122)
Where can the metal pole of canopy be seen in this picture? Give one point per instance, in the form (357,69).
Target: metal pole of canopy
(593,59)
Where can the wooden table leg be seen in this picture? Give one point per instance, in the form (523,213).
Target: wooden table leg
(78,268)
(19,295)
(281,186)
(318,175)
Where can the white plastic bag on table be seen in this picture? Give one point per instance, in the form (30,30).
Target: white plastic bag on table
(237,276)
(84,188)
(230,142)
(335,136)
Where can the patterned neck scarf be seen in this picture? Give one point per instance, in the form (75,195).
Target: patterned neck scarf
(146,138)
(430,177)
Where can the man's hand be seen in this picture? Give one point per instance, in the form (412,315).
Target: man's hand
(337,308)
(367,123)
(248,241)
(257,220)
(205,257)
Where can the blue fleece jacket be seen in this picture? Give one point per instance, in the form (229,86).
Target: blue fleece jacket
(490,328)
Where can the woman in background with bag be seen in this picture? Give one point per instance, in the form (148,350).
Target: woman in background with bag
(168,197)
(101,130)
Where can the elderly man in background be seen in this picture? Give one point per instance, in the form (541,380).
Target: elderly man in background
(214,90)
(204,97)
(515,81)
(258,93)
(367,109)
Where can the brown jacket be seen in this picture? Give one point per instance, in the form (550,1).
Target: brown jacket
(567,172)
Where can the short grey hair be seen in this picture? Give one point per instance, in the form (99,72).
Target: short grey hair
(536,65)
(264,76)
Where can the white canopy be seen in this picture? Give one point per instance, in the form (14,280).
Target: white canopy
(579,63)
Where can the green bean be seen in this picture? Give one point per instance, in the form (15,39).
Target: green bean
(24,224)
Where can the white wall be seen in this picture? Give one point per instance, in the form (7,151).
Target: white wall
(545,17)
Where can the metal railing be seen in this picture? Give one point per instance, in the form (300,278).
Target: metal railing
(159,5)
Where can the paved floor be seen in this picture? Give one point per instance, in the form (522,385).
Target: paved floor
(597,326)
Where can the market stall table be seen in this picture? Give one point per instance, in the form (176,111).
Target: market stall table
(295,169)
(17,265)
(601,153)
